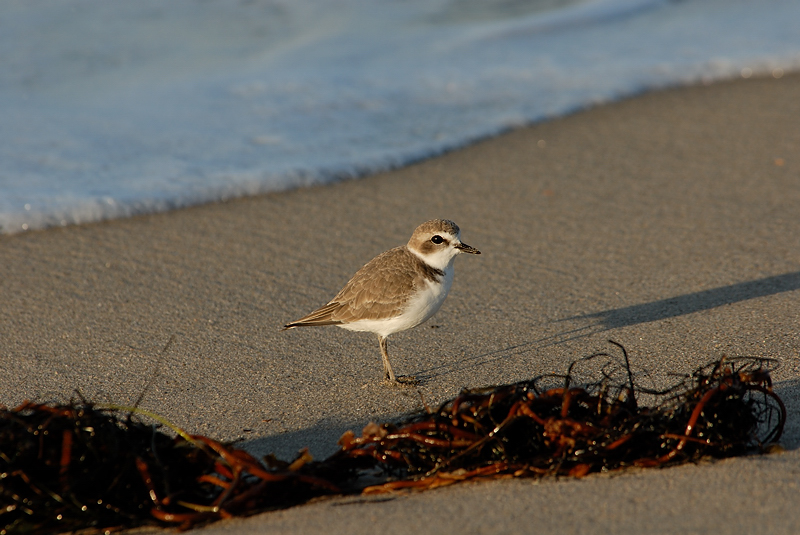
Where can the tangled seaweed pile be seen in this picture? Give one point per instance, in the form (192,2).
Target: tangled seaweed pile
(77,466)
(723,409)
(82,466)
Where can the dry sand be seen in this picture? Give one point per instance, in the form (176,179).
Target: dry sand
(668,222)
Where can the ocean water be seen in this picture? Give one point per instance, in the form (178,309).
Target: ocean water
(113,108)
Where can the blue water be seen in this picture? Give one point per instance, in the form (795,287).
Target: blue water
(109,109)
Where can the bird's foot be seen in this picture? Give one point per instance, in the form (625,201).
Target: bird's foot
(402,381)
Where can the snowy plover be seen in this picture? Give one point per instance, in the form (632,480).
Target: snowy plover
(398,289)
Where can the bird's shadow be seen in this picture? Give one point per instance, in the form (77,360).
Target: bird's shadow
(694,302)
(584,325)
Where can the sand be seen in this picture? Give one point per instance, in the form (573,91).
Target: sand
(669,223)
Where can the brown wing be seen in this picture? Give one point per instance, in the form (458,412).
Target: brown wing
(378,290)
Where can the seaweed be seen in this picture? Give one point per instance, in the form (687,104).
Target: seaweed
(724,409)
(99,468)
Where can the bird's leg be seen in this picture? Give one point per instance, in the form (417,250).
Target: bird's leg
(387,368)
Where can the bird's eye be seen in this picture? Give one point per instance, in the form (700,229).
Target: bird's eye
(437,239)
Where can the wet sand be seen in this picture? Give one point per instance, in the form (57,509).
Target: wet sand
(669,223)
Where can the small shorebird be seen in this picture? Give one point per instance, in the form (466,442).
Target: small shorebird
(398,289)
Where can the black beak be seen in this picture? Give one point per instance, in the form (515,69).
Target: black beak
(464,248)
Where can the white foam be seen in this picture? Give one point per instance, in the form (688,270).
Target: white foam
(108,109)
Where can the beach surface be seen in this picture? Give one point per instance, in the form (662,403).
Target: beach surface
(669,223)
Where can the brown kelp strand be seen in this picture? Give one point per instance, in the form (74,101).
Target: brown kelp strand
(80,466)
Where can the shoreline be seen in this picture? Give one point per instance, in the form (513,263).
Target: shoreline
(669,222)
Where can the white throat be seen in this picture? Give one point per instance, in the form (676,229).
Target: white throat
(442,259)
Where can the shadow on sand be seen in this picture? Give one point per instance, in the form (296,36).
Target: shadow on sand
(321,438)
(693,302)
